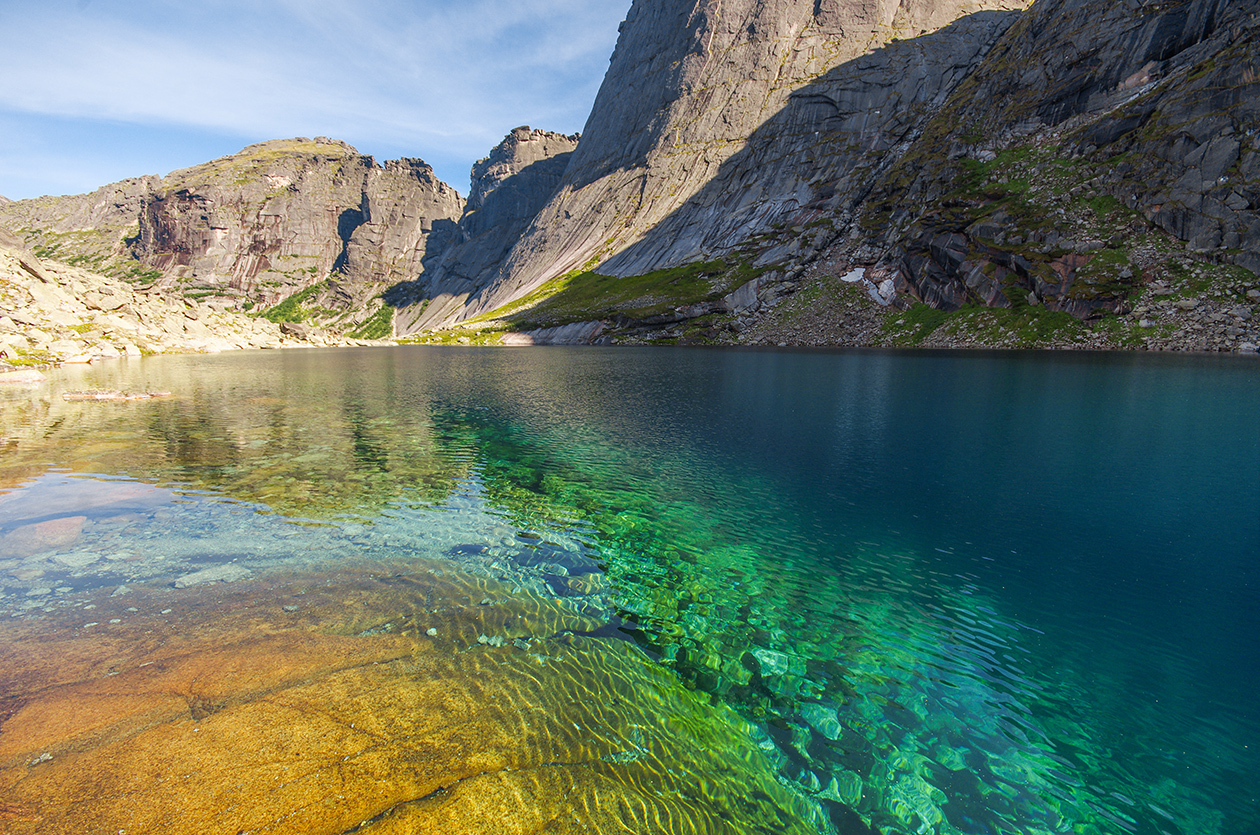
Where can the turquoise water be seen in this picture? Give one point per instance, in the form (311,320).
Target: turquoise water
(957,593)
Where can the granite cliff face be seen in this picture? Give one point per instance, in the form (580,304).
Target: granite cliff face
(282,216)
(253,228)
(688,84)
(1151,105)
(509,187)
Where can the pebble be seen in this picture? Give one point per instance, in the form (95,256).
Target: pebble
(431,632)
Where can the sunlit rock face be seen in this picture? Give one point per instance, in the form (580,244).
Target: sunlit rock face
(282,215)
(688,85)
(257,226)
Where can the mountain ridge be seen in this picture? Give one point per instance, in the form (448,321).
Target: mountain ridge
(999,165)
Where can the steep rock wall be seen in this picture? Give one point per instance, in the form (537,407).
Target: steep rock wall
(1156,104)
(509,187)
(689,82)
(282,215)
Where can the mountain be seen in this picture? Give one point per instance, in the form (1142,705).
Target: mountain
(250,230)
(1083,171)
(923,172)
(687,86)
(509,187)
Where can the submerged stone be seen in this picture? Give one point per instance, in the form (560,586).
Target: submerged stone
(218,718)
(229,573)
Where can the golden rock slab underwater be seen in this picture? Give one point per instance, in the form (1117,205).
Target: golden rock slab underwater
(319,703)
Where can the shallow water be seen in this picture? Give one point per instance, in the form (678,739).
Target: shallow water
(911,593)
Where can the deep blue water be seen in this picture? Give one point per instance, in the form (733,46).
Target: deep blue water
(958,592)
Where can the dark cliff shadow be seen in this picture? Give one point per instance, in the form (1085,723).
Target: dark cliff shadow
(821,152)
(460,254)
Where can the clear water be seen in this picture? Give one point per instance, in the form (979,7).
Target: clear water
(952,593)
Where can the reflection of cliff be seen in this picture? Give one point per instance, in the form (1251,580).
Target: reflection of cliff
(283,435)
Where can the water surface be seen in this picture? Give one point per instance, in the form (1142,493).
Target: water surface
(910,593)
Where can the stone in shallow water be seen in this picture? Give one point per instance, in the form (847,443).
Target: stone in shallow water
(228,573)
(822,719)
(34,538)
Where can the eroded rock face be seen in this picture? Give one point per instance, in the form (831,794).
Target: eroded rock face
(282,215)
(94,227)
(688,84)
(508,188)
(257,226)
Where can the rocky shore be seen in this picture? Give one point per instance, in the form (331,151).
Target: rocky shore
(53,313)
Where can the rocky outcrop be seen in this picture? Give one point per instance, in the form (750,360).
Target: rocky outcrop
(688,84)
(91,230)
(52,313)
(255,227)
(509,187)
(1154,105)
(281,216)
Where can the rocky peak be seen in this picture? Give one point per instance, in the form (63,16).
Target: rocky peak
(508,188)
(279,216)
(519,149)
(688,84)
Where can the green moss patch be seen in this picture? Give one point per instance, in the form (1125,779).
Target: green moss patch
(292,309)
(380,325)
(583,296)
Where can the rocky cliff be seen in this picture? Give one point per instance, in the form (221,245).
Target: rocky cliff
(252,229)
(687,85)
(509,187)
(1088,127)
(282,216)
(1090,168)
(1091,162)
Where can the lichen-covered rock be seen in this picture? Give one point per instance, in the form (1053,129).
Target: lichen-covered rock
(1152,104)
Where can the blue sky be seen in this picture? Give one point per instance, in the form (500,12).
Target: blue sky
(98,90)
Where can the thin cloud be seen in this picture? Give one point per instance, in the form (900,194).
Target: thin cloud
(441,79)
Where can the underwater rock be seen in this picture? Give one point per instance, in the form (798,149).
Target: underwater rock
(218,718)
(34,538)
(229,573)
(822,719)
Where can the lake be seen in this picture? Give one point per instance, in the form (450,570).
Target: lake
(650,590)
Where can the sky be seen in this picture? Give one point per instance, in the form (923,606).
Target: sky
(95,91)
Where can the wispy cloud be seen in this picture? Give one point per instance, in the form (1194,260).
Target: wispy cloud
(441,80)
